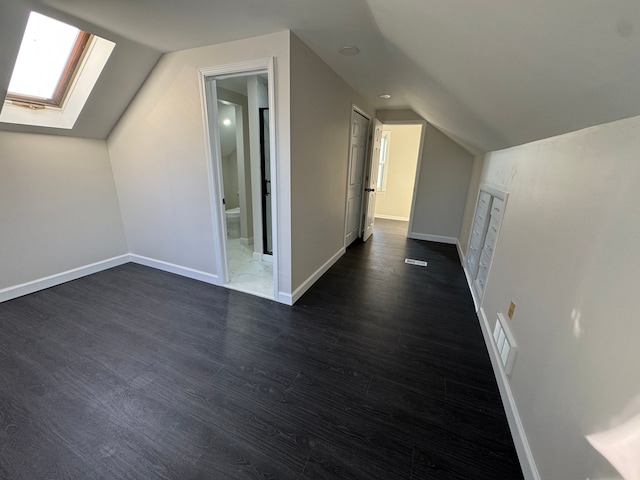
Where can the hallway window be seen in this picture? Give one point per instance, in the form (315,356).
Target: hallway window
(384,161)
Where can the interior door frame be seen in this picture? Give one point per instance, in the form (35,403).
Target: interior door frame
(263,186)
(355,109)
(423,138)
(208,95)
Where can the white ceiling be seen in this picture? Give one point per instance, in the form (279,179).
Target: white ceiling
(491,73)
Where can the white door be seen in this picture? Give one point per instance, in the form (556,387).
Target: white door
(355,184)
(372,181)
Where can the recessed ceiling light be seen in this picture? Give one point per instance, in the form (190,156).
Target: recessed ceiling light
(349,51)
(226,122)
(385,96)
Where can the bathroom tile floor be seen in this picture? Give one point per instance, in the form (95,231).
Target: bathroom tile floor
(247,273)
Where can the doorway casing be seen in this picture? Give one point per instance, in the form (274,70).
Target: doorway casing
(208,95)
(423,133)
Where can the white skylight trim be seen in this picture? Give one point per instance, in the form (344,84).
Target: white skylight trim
(98,51)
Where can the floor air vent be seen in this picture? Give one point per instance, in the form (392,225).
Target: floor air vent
(411,261)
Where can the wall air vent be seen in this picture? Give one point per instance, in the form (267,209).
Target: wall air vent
(505,343)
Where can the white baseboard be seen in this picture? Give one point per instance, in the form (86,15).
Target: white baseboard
(463,262)
(525,455)
(460,253)
(392,217)
(285,298)
(59,278)
(476,300)
(290,299)
(263,257)
(247,242)
(173,268)
(433,238)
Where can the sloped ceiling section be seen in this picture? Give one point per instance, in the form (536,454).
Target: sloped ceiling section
(13,21)
(491,74)
(126,70)
(526,69)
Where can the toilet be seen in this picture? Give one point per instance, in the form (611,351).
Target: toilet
(233,222)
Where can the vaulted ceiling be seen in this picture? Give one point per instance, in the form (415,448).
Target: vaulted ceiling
(491,74)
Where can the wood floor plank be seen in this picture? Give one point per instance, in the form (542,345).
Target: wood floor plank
(378,372)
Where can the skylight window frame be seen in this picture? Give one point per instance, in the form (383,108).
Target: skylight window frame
(93,60)
(74,62)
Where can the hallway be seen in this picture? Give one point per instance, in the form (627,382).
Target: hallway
(378,372)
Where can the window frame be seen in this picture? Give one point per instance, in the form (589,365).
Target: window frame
(64,82)
(94,59)
(383,162)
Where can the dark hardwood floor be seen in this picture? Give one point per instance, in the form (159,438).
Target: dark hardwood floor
(378,372)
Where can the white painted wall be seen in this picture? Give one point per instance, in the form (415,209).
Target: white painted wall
(159,162)
(58,206)
(445,172)
(470,204)
(321,104)
(241,180)
(230,176)
(567,255)
(404,146)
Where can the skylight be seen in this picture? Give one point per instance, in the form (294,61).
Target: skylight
(49,53)
(56,69)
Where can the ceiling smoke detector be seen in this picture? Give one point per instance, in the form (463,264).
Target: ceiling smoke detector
(349,51)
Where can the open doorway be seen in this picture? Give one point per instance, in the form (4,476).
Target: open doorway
(398,167)
(239,115)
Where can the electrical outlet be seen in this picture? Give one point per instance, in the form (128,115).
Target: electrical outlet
(512,309)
